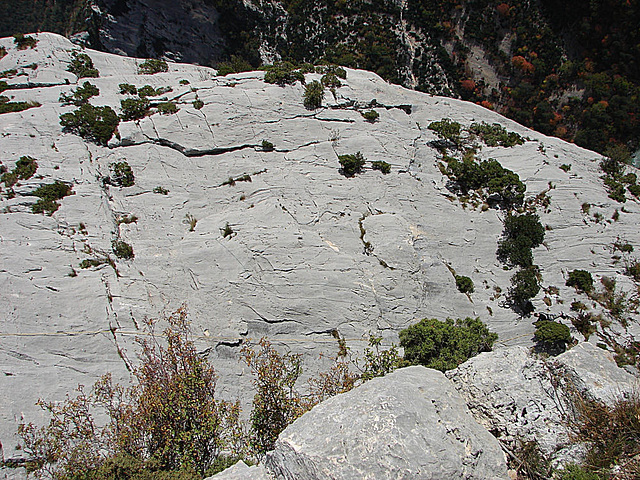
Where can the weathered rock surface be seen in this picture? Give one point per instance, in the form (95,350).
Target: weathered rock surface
(411,424)
(240,471)
(519,396)
(296,267)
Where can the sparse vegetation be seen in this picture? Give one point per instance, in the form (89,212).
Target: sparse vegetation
(122,174)
(235,65)
(161,190)
(313,95)
(198,104)
(495,134)
(371,116)
(381,165)
(267,146)
(134,108)
(11,107)
(23,42)
(191,221)
(92,123)
(128,89)
(464,284)
(445,345)
(227,231)
(122,249)
(152,66)
(351,164)
(447,129)
(521,234)
(282,73)
(80,95)
(581,280)
(82,66)
(49,194)
(167,108)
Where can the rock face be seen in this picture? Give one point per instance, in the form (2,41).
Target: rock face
(518,396)
(308,251)
(410,424)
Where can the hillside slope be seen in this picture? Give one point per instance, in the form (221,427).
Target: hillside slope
(307,250)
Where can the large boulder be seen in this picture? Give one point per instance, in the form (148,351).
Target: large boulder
(411,424)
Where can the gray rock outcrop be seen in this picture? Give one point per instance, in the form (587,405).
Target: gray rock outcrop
(240,471)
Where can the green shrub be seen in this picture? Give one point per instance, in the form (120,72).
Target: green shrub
(464,284)
(282,73)
(521,233)
(82,66)
(122,174)
(198,104)
(330,80)
(445,345)
(447,129)
(93,123)
(351,164)
(80,95)
(565,167)
(495,134)
(48,195)
(267,146)
(167,108)
(235,65)
(227,231)
(23,42)
(11,107)
(552,336)
(371,116)
(576,472)
(122,249)
(383,166)
(3,52)
(634,190)
(25,169)
(313,95)
(524,287)
(581,280)
(134,108)
(633,270)
(152,66)
(331,70)
(128,89)
(161,190)
(93,262)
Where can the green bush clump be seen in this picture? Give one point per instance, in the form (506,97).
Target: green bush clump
(524,287)
(198,104)
(122,174)
(235,65)
(488,175)
(3,52)
(495,134)
(93,123)
(161,191)
(581,280)
(23,42)
(282,73)
(80,95)
(152,66)
(381,165)
(464,284)
(122,249)
(521,233)
(128,89)
(11,107)
(134,108)
(82,66)
(149,91)
(167,108)
(313,95)
(447,129)
(370,116)
(351,164)
(93,262)
(48,195)
(330,80)
(25,167)
(445,345)
(552,336)
(267,146)
(336,70)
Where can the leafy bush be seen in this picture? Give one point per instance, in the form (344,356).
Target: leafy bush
(92,123)
(552,336)
(447,129)
(313,95)
(521,233)
(161,190)
(152,66)
(371,116)
(23,41)
(524,287)
(383,166)
(198,104)
(48,195)
(235,65)
(330,80)
(351,164)
(122,174)
(495,134)
(80,95)
(128,89)
(282,73)
(267,146)
(11,107)
(82,66)
(122,249)
(445,345)
(330,70)
(464,284)
(134,108)
(167,108)
(168,420)
(25,167)
(581,280)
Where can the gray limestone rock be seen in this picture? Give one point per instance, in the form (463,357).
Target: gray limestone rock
(240,471)
(411,424)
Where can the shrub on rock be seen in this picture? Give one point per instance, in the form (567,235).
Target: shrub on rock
(313,95)
(92,123)
(82,66)
(152,66)
(351,164)
(581,280)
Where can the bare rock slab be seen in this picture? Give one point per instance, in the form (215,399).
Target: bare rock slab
(411,424)
(240,471)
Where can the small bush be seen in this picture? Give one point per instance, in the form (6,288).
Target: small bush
(134,108)
(128,89)
(122,174)
(161,190)
(227,231)
(495,134)
(447,129)
(552,336)
(384,167)
(445,345)
(371,116)
(282,73)
(25,168)
(23,42)
(464,284)
(330,80)
(167,108)
(198,104)
(521,233)
(3,52)
(82,66)
(581,280)
(48,195)
(633,270)
(351,164)
(92,123)
(565,167)
(234,65)
(524,287)
(93,262)
(122,249)
(80,95)
(152,66)
(313,95)
(11,107)
(267,146)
